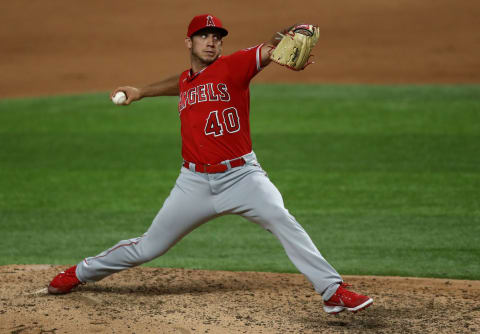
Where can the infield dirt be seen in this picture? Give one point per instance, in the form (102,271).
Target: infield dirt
(158,300)
(55,47)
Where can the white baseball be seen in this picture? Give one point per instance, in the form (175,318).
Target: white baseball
(119,98)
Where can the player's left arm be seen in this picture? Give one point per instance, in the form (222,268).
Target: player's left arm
(268,46)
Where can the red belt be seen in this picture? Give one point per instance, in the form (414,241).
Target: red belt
(218,168)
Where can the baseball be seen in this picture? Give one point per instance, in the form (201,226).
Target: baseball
(119,98)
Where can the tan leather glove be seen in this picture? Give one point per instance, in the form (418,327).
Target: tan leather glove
(294,49)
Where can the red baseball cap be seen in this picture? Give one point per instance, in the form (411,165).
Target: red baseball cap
(205,21)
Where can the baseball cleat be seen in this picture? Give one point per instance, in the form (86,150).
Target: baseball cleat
(64,282)
(344,299)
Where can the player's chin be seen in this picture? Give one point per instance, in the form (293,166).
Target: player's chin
(209,57)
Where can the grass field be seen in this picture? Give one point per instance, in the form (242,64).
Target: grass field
(385,179)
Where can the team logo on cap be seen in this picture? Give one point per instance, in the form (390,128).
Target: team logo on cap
(210,21)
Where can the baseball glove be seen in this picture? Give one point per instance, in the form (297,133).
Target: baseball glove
(294,49)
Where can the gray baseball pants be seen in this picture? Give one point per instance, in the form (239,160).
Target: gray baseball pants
(199,197)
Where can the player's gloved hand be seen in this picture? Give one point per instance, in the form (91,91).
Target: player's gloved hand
(132,93)
(294,49)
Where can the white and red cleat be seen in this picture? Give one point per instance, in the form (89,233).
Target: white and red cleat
(344,299)
(64,282)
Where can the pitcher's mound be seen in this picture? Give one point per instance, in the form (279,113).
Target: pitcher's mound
(162,300)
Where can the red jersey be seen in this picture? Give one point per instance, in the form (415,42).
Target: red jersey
(214,108)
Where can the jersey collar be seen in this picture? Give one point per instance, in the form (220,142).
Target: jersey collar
(192,75)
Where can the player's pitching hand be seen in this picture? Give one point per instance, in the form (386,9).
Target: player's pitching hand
(133,94)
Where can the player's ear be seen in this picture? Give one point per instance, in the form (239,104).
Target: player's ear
(188,42)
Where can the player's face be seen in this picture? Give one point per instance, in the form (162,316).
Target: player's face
(205,46)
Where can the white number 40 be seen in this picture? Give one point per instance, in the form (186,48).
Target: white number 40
(230,122)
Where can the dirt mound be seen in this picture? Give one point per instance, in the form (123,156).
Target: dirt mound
(159,300)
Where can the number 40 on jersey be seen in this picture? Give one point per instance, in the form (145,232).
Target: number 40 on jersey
(227,121)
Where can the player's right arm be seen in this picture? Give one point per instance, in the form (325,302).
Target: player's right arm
(166,87)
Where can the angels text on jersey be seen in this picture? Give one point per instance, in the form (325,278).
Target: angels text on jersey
(203,93)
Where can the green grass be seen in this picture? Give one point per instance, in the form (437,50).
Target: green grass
(385,179)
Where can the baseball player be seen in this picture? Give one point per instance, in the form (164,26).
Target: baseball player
(220,173)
